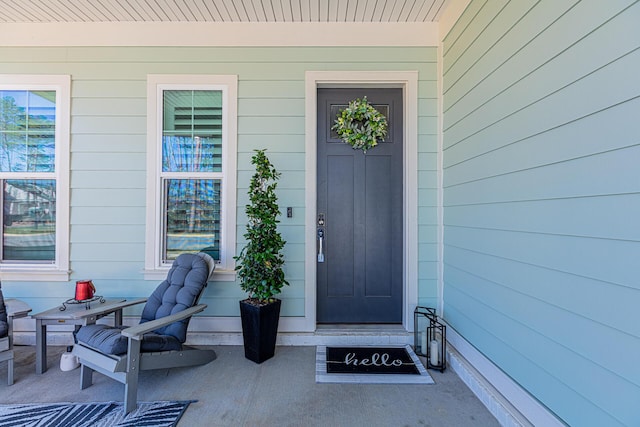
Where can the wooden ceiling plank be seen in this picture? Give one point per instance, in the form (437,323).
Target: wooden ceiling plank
(424,11)
(378,10)
(222,10)
(231,12)
(296,10)
(276,7)
(208,10)
(407,8)
(360,7)
(132,10)
(212,8)
(28,10)
(9,14)
(437,10)
(113,8)
(170,9)
(314,11)
(75,11)
(201,11)
(323,10)
(259,8)
(287,14)
(333,11)
(268,10)
(342,11)
(394,16)
(415,9)
(103,12)
(184,11)
(147,12)
(367,10)
(45,10)
(305,10)
(245,11)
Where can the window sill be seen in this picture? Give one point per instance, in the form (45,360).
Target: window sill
(218,275)
(33,274)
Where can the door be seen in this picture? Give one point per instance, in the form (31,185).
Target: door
(359,217)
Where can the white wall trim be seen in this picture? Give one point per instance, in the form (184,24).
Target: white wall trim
(503,397)
(228,331)
(219,34)
(156,83)
(408,80)
(440,185)
(59,270)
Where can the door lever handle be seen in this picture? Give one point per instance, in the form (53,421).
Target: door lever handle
(320,245)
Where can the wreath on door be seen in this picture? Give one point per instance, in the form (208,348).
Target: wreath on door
(360,125)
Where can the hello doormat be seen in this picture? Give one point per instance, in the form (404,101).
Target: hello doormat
(363,364)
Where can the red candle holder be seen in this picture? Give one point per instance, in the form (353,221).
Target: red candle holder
(84,290)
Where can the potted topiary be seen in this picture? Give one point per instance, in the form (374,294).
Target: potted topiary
(259,264)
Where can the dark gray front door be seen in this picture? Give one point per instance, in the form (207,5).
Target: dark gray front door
(360,211)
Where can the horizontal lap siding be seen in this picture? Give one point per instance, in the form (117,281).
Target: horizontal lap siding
(108,152)
(542,199)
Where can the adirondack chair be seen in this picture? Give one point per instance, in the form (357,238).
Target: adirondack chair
(10,310)
(158,341)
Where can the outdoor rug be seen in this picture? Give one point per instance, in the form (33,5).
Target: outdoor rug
(92,414)
(370,365)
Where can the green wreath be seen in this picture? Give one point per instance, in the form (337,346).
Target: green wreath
(360,125)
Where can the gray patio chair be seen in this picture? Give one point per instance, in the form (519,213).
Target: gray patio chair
(158,341)
(10,310)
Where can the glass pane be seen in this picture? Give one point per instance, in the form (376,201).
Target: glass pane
(29,220)
(192,131)
(192,217)
(27,131)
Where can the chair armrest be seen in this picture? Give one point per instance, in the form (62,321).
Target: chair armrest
(99,311)
(16,308)
(136,332)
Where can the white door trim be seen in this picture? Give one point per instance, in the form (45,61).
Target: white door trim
(408,81)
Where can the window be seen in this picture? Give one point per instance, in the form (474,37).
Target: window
(34,176)
(192,160)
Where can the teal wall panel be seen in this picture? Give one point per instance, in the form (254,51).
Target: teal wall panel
(108,148)
(542,199)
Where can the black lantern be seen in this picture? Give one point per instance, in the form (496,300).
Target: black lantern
(430,337)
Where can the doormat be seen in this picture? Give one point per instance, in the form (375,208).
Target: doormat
(370,365)
(93,414)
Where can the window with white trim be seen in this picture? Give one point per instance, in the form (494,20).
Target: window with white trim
(34,177)
(191,188)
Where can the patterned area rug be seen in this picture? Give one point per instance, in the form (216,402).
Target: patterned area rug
(92,414)
(378,356)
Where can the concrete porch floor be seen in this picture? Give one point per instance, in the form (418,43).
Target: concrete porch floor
(233,391)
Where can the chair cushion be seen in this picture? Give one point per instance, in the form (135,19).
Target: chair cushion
(108,339)
(4,325)
(180,290)
(4,329)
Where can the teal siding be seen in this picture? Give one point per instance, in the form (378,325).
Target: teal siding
(542,199)
(108,152)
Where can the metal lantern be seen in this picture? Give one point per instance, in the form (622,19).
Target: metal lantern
(421,318)
(430,338)
(437,347)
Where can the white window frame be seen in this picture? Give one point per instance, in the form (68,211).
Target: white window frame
(58,271)
(155,269)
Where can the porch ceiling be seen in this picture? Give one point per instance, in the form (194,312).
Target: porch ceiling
(41,11)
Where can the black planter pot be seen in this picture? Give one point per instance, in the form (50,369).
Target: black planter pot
(259,329)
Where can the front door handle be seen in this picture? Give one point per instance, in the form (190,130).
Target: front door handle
(320,244)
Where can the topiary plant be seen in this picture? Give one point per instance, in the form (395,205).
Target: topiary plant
(260,261)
